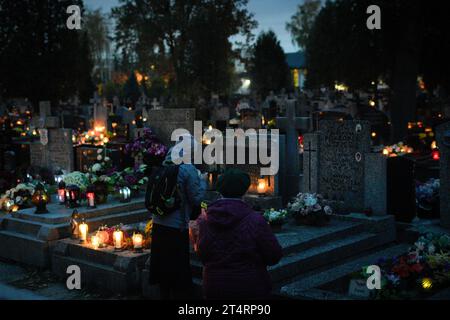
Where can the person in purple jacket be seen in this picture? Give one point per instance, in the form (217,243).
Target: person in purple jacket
(235,244)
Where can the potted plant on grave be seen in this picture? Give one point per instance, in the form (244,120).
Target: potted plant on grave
(310,209)
(275,218)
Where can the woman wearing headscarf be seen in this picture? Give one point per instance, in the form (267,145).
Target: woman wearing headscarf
(235,244)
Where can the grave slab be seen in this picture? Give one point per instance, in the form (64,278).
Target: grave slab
(105,269)
(29,238)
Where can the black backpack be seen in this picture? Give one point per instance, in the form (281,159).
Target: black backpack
(162,196)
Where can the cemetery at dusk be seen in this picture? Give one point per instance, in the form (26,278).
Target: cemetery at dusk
(235,150)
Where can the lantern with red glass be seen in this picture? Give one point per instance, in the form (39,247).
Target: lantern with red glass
(62,192)
(90,197)
(72,196)
(436,155)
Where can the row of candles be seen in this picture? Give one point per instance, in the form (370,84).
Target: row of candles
(71,195)
(118,239)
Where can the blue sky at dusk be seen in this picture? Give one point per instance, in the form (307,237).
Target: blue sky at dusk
(270,14)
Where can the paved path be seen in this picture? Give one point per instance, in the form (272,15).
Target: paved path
(11,293)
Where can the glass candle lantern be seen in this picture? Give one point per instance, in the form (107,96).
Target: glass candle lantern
(83,231)
(40,199)
(62,193)
(138,241)
(261,187)
(72,196)
(9,204)
(59,178)
(90,197)
(118,239)
(95,242)
(125,194)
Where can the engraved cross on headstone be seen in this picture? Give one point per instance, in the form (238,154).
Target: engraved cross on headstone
(309,150)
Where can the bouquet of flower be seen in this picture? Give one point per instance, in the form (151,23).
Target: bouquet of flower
(397,150)
(147,145)
(20,195)
(78,179)
(426,266)
(275,217)
(133,178)
(310,209)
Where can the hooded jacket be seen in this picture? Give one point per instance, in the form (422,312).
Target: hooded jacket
(236,245)
(192,188)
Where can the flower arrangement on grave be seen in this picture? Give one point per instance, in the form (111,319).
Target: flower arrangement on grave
(19,197)
(275,218)
(78,179)
(420,272)
(147,147)
(427,195)
(133,178)
(100,177)
(397,150)
(310,209)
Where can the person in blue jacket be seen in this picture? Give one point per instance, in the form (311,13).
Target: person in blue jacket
(170,251)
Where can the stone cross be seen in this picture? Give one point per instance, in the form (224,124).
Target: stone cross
(155,104)
(443,140)
(290,125)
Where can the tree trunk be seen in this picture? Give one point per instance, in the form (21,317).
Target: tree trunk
(405,72)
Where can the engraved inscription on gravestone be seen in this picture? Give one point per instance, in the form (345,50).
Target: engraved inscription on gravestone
(343,145)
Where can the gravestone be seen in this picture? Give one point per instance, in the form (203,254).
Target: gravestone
(100,115)
(443,139)
(338,164)
(290,125)
(275,187)
(45,118)
(164,121)
(54,150)
(220,117)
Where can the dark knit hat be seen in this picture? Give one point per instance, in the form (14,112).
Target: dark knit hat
(234,183)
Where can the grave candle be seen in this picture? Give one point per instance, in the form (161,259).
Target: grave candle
(118,238)
(90,196)
(262,186)
(40,199)
(62,192)
(72,196)
(9,205)
(137,242)
(95,242)
(125,194)
(83,231)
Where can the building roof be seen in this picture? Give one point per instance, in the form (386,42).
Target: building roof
(296,60)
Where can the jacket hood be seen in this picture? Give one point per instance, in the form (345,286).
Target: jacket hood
(227,212)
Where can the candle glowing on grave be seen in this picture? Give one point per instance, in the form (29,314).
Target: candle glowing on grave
(90,196)
(118,238)
(9,204)
(15,208)
(95,242)
(83,231)
(262,186)
(125,194)
(138,240)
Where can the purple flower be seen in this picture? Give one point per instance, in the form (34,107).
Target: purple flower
(131,180)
